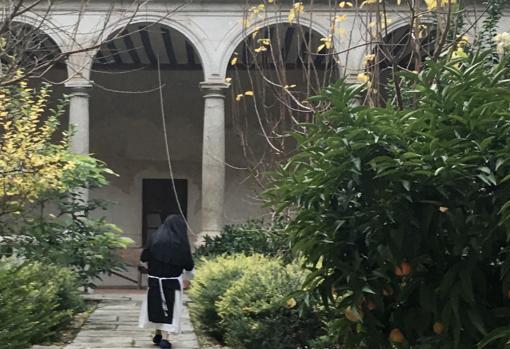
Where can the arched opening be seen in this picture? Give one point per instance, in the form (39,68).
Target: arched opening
(273,71)
(400,51)
(127,127)
(30,49)
(30,54)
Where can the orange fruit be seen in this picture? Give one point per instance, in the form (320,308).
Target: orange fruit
(438,327)
(396,336)
(354,316)
(403,269)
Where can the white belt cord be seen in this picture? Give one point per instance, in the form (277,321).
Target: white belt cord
(164,304)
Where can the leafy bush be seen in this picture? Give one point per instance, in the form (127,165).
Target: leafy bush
(256,310)
(248,238)
(212,279)
(87,246)
(403,215)
(35,300)
(31,161)
(244,301)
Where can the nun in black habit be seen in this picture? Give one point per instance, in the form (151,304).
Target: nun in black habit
(170,267)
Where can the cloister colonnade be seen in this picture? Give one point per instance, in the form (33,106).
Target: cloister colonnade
(214,29)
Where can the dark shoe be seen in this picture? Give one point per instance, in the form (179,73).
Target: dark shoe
(164,344)
(157,339)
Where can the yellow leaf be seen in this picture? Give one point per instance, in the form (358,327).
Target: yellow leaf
(431,4)
(233,61)
(296,9)
(422,31)
(363,77)
(299,7)
(459,53)
(291,17)
(367,2)
(369,58)
(238,97)
(248,93)
(319,49)
(291,303)
(264,41)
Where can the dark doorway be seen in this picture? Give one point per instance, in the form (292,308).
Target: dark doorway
(159,201)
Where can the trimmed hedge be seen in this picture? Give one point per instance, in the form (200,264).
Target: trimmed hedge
(256,310)
(246,302)
(35,301)
(212,279)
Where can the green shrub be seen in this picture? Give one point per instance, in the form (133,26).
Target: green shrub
(248,238)
(406,212)
(256,310)
(35,300)
(212,279)
(244,301)
(87,246)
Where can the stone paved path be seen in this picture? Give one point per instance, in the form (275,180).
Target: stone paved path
(114,325)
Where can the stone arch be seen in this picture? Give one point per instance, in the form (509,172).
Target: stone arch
(127,87)
(236,36)
(193,36)
(395,53)
(401,30)
(404,22)
(42,42)
(46,27)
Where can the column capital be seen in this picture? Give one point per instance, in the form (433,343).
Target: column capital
(78,86)
(214,89)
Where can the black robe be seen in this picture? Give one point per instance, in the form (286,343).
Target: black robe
(167,253)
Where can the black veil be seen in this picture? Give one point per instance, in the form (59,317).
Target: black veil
(170,243)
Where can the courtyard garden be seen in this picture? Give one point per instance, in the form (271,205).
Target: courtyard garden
(392,226)
(387,225)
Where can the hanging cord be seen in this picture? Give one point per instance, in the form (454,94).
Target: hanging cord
(167,148)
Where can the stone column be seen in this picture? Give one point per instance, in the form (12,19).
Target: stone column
(213,158)
(78,91)
(79,115)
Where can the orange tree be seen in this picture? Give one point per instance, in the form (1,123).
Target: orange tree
(403,215)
